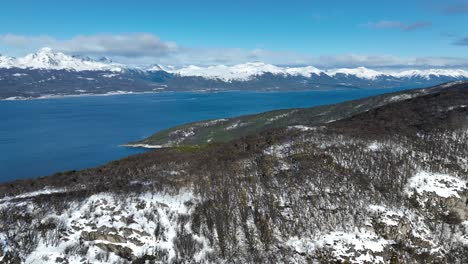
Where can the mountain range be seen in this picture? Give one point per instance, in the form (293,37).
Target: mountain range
(49,73)
(377,180)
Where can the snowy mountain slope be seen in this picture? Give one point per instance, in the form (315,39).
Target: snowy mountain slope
(432,73)
(48,59)
(247,71)
(240,72)
(224,130)
(360,72)
(6,62)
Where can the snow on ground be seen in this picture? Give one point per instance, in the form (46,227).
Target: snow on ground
(401,97)
(110,75)
(374,146)
(450,84)
(143,223)
(32,194)
(275,118)
(211,122)
(183,133)
(441,184)
(303,128)
(279,151)
(19,74)
(59,96)
(86,78)
(142,146)
(235,125)
(355,247)
(387,216)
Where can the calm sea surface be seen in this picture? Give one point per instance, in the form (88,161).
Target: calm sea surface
(41,137)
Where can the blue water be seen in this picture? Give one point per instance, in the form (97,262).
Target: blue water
(41,137)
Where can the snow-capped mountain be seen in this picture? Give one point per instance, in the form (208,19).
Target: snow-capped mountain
(48,72)
(454,73)
(46,58)
(240,72)
(244,72)
(248,71)
(6,62)
(360,72)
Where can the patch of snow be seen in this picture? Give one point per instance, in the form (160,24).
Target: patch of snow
(401,97)
(32,194)
(58,96)
(279,151)
(450,84)
(355,247)
(275,118)
(302,128)
(441,184)
(374,146)
(235,125)
(110,75)
(19,74)
(187,132)
(86,78)
(142,146)
(387,216)
(212,122)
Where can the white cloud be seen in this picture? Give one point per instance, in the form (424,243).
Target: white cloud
(146,48)
(124,45)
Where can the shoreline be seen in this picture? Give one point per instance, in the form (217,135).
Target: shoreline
(145,146)
(113,93)
(60,96)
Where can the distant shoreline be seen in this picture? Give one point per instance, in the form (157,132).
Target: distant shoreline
(112,93)
(60,96)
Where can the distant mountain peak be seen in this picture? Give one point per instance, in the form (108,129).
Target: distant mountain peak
(49,59)
(360,72)
(106,60)
(156,67)
(45,50)
(242,72)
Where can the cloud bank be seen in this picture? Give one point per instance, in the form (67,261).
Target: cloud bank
(146,48)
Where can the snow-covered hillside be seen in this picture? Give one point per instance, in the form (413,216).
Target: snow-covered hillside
(386,185)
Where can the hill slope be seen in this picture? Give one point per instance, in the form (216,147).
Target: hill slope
(224,130)
(388,185)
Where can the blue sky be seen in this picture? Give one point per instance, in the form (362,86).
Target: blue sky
(333,33)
